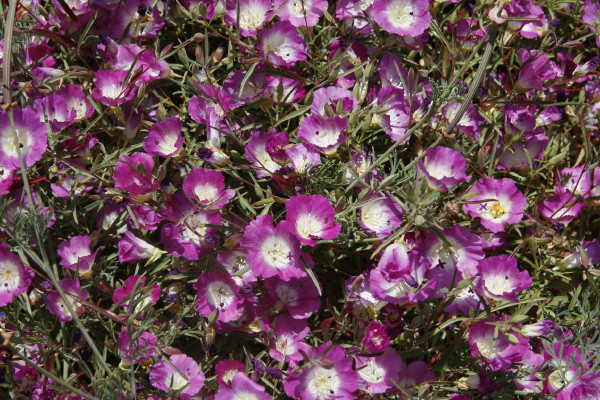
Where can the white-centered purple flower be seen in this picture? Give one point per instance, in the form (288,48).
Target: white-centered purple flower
(30,139)
(218,291)
(76,254)
(256,152)
(380,215)
(187,234)
(136,346)
(302,157)
(272,251)
(180,375)
(282,45)
(299,296)
(131,249)
(540,328)
(329,376)
(135,295)
(380,373)
(395,113)
(134,174)
(528,150)
(498,203)
(55,109)
(248,15)
(241,388)
(288,333)
(443,168)
(469,123)
(403,17)
(325,134)
(333,99)
(576,258)
(501,278)
(311,217)
(225,370)
(164,138)
(537,69)
(207,187)
(376,337)
(563,207)
(77,102)
(300,12)
(15,277)
(73,295)
(111,88)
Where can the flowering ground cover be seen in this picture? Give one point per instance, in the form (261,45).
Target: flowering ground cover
(306,199)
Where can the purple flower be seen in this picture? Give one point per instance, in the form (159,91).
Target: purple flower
(499,202)
(469,123)
(132,249)
(311,217)
(298,296)
(540,328)
(302,157)
(533,17)
(376,337)
(380,215)
(334,99)
(134,174)
(328,376)
(73,294)
(592,254)
(218,291)
(256,152)
(76,254)
(55,109)
(563,207)
(536,70)
(226,370)
(530,148)
(31,138)
(135,346)
(287,339)
(15,277)
(379,374)
(282,45)
(443,168)
(395,113)
(181,375)
(403,17)
(135,295)
(187,234)
(207,187)
(501,278)
(77,102)
(164,138)
(252,14)
(242,387)
(301,12)
(111,88)
(326,135)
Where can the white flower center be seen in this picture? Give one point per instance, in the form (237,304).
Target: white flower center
(499,284)
(487,346)
(376,216)
(176,381)
(206,192)
(10,278)
(167,144)
(277,252)
(112,90)
(8,142)
(401,13)
(194,228)
(285,345)
(252,16)
(287,295)
(494,210)
(372,372)
(322,382)
(300,7)
(308,224)
(219,294)
(244,396)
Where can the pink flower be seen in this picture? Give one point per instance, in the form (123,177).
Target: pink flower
(135,295)
(380,215)
(498,203)
(311,217)
(132,249)
(272,251)
(15,277)
(135,346)
(403,17)
(288,334)
(379,374)
(207,187)
(134,174)
(252,14)
(537,68)
(242,387)
(282,45)
(76,255)
(326,135)
(218,291)
(376,337)
(111,88)
(302,157)
(31,138)
(73,294)
(298,296)
(443,168)
(301,12)
(180,375)
(226,370)
(164,138)
(501,278)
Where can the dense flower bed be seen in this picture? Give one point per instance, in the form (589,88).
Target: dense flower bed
(255,199)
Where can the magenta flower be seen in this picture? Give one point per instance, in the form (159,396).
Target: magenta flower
(563,207)
(541,328)
(380,215)
(207,187)
(379,374)
(181,375)
(187,233)
(164,138)
(469,123)
(298,296)
(443,168)
(311,217)
(530,148)
(592,254)
(395,113)
(376,337)
(272,251)
(136,346)
(242,387)
(532,15)
(15,277)
(334,99)
(111,88)
(252,14)
(329,376)
(302,157)
(77,102)
(282,45)
(226,370)
(31,138)
(288,334)
(301,12)
(134,174)
(501,278)
(132,249)
(73,294)
(256,151)
(76,254)
(218,291)
(135,295)
(498,203)
(54,107)
(537,68)
(326,135)
(6,180)
(403,17)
